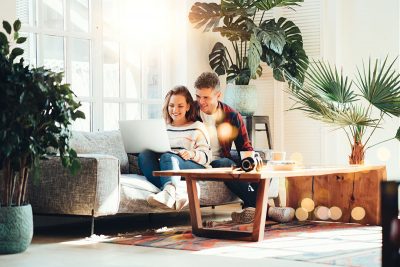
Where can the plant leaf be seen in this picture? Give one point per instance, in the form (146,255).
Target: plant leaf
(269,4)
(15,53)
(17,25)
(235,30)
(398,134)
(329,84)
(254,54)
(233,8)
(3,39)
(21,40)
(217,59)
(271,35)
(7,26)
(208,14)
(380,85)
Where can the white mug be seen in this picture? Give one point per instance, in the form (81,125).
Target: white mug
(246,154)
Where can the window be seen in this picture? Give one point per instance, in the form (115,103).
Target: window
(116,66)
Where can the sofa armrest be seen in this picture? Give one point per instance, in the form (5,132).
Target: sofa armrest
(95,187)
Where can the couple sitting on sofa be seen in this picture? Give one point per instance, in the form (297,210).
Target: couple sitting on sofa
(197,143)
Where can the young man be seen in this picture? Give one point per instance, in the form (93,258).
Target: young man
(225,126)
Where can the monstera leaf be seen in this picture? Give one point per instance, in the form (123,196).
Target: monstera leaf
(271,35)
(235,29)
(292,32)
(255,51)
(217,58)
(208,14)
(269,4)
(235,8)
(292,59)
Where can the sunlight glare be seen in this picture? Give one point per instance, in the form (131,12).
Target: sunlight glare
(301,214)
(322,213)
(335,213)
(226,131)
(384,154)
(308,204)
(297,157)
(358,213)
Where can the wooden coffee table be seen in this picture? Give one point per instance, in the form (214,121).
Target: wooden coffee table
(263,179)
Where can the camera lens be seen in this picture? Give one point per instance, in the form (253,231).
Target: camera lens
(248,164)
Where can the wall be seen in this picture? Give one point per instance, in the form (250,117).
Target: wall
(7,10)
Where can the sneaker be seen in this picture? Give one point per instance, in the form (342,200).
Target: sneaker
(181,202)
(244,216)
(163,199)
(281,214)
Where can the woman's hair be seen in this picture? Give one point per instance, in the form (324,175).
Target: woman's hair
(191,114)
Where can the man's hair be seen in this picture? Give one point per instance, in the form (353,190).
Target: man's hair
(207,80)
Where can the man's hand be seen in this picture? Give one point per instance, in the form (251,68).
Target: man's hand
(186,155)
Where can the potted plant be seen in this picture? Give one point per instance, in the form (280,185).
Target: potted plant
(254,38)
(330,96)
(36,109)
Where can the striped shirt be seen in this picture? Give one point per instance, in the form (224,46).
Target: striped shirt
(193,138)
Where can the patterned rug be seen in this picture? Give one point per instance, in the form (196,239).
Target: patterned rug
(320,242)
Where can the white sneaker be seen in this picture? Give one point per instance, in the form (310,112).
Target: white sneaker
(281,214)
(181,202)
(163,199)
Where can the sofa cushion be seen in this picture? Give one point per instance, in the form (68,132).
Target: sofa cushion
(134,164)
(107,142)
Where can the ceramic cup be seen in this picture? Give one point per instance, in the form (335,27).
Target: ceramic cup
(246,154)
(278,155)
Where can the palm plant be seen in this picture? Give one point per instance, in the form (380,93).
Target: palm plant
(253,37)
(330,97)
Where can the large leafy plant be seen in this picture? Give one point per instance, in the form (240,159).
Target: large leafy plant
(36,109)
(254,38)
(357,107)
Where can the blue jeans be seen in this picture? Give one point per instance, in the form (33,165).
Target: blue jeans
(244,190)
(150,161)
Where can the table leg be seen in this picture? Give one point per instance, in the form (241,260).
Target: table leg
(259,221)
(261,210)
(194,204)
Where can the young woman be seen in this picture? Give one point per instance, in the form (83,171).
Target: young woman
(190,145)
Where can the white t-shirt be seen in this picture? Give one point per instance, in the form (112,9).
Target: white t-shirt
(210,121)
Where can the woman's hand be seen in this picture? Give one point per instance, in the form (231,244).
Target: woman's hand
(186,155)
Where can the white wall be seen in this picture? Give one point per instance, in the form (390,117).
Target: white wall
(7,11)
(198,46)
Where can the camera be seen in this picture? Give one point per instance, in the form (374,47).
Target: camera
(253,162)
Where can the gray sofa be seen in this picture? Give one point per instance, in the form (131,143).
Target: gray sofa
(108,183)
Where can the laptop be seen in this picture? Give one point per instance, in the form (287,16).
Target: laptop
(139,135)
